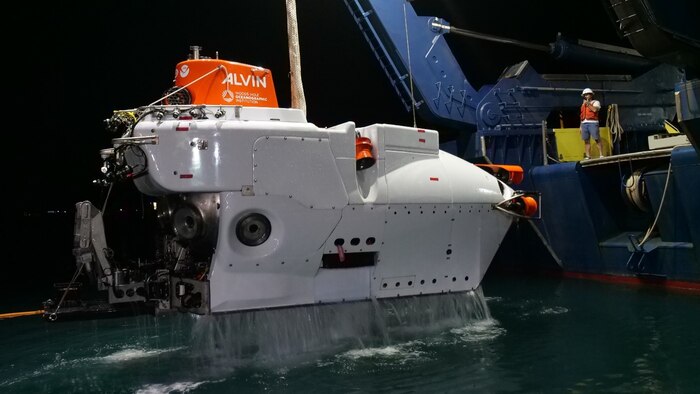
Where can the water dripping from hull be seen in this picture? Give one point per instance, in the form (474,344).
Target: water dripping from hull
(303,333)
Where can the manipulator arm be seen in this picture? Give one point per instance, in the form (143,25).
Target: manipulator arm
(90,244)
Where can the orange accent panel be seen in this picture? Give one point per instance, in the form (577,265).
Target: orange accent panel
(515,173)
(232,84)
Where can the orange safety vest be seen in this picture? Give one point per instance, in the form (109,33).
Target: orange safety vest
(587,113)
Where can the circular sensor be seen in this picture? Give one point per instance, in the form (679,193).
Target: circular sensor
(188,223)
(253,229)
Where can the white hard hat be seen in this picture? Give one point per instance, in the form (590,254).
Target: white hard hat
(586,91)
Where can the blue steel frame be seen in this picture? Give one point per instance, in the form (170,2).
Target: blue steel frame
(585,222)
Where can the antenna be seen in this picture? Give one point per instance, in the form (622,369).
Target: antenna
(195,51)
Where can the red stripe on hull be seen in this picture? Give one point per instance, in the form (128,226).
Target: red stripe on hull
(692,287)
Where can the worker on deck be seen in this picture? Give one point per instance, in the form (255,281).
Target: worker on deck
(589,122)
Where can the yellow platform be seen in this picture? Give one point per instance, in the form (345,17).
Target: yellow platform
(570,144)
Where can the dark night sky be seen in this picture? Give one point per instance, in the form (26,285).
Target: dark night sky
(91,59)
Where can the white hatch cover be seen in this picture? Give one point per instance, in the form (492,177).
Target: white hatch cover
(302,168)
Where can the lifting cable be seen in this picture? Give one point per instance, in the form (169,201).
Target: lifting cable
(54,315)
(410,71)
(658,212)
(217,68)
(298,97)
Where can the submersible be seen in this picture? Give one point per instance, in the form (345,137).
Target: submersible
(257,208)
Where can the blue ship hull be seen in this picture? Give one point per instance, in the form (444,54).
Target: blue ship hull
(591,228)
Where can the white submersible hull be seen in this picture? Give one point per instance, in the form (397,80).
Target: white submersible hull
(296,222)
(258,208)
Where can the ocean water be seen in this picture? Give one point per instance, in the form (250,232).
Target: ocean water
(514,335)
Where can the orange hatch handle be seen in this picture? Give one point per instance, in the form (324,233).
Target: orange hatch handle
(222,82)
(363,153)
(509,174)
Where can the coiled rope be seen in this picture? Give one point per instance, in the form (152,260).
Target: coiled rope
(613,123)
